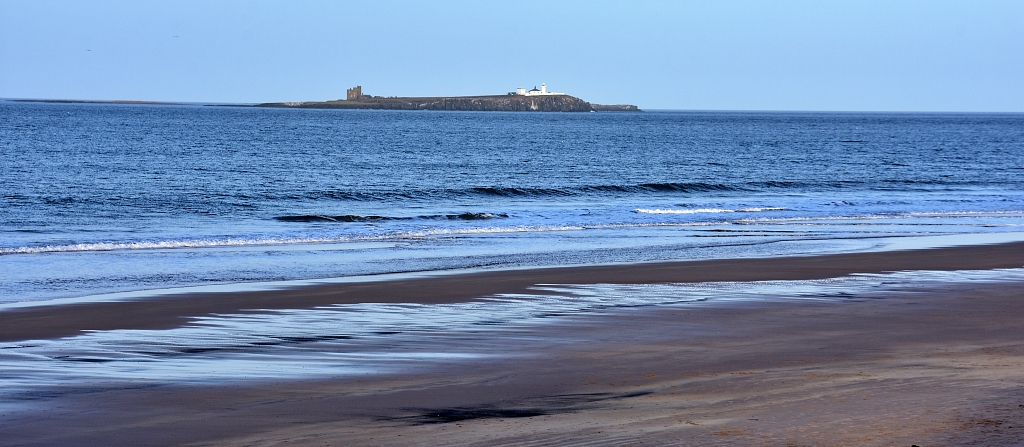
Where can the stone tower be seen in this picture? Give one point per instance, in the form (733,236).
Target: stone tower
(354,93)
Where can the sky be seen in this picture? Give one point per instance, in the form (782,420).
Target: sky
(862,55)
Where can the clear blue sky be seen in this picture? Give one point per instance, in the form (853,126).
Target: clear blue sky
(732,55)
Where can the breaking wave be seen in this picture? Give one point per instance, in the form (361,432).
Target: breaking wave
(358,218)
(285,240)
(428,231)
(538,192)
(707,210)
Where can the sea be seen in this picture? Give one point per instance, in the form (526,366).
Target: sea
(106,201)
(104,198)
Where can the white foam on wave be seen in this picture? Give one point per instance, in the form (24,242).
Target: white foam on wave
(267,241)
(891,216)
(706,210)
(429,232)
(1012,213)
(166,244)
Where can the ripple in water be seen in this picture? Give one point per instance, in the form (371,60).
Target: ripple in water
(380,338)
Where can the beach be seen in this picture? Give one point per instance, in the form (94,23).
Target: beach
(189,275)
(936,365)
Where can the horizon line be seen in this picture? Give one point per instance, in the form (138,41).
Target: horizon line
(251,104)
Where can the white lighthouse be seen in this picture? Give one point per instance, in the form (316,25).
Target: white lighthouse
(543,91)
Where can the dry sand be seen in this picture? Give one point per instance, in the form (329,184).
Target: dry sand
(941,367)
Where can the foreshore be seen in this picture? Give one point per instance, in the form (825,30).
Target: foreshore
(168,311)
(937,367)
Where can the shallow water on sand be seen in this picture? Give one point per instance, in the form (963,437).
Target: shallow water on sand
(360,339)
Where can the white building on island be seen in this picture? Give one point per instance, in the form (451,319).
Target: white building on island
(542,92)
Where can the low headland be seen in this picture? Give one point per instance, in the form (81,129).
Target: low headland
(536,100)
(101,101)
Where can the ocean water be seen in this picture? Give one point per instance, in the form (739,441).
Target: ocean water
(96,199)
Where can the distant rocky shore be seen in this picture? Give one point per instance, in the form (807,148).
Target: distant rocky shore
(495,103)
(544,102)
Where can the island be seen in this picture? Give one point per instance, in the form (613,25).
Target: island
(521,100)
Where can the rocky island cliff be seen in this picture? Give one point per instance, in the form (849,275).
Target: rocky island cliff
(512,102)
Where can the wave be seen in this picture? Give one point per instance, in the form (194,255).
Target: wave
(287,240)
(540,192)
(589,189)
(358,218)
(344,218)
(401,194)
(707,210)
(165,244)
(893,216)
(395,236)
(964,213)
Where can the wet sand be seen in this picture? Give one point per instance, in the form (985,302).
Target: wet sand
(170,311)
(937,367)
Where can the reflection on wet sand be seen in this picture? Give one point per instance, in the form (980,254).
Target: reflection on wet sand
(368,338)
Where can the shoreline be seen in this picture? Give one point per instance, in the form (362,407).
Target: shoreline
(937,367)
(169,311)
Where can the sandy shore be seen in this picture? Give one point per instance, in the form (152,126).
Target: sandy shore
(175,310)
(937,367)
